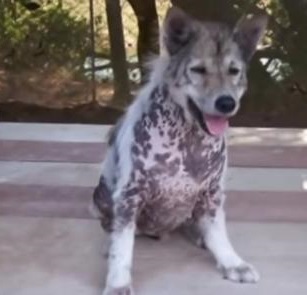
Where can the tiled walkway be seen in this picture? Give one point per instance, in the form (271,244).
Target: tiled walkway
(50,244)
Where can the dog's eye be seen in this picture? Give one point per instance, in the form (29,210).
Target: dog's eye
(199,70)
(233,71)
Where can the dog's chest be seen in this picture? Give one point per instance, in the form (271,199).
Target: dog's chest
(173,164)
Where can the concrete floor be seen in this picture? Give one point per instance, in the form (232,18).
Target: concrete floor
(65,256)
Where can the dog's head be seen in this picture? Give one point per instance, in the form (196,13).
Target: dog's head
(208,63)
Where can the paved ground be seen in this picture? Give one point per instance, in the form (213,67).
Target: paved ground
(49,243)
(64,256)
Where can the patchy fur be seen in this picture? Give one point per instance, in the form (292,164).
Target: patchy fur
(164,169)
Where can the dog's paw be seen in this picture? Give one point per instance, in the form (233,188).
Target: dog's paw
(127,290)
(244,273)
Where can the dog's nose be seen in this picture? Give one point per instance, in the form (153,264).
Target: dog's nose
(225,104)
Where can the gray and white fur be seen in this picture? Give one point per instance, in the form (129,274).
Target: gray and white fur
(163,168)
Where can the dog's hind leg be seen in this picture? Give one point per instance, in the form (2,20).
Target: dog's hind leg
(122,238)
(192,233)
(212,226)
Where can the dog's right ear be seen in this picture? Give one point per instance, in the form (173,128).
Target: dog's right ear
(177,30)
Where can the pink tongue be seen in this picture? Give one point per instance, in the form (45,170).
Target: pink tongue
(216,125)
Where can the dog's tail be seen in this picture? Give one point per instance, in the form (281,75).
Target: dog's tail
(101,205)
(93,208)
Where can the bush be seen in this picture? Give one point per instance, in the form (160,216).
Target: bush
(50,33)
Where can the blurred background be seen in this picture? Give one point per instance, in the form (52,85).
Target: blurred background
(82,60)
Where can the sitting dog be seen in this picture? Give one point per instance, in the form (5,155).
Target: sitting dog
(167,157)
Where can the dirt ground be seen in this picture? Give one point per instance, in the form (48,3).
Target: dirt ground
(55,96)
(94,114)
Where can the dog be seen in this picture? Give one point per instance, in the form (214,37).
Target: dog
(166,159)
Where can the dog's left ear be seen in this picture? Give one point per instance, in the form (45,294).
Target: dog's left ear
(248,33)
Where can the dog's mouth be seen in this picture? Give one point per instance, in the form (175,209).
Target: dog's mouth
(214,125)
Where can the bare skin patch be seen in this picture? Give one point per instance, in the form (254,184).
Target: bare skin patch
(169,178)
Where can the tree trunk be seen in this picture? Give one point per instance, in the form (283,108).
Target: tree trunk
(118,53)
(148,38)
(209,10)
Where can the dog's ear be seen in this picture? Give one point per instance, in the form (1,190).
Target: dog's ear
(177,30)
(248,32)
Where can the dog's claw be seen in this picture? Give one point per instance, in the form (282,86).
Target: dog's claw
(244,273)
(127,290)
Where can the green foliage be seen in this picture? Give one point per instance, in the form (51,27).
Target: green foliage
(49,33)
(277,11)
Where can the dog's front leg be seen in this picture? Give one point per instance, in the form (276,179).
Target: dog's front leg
(212,227)
(120,253)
